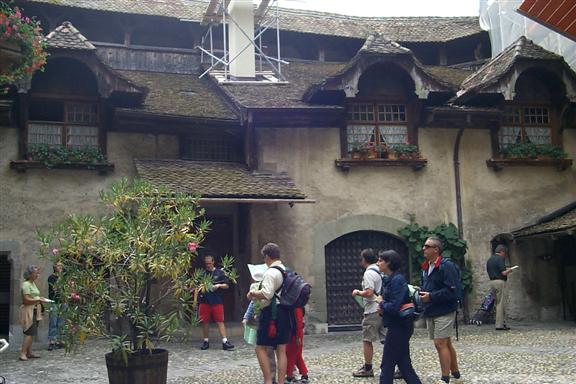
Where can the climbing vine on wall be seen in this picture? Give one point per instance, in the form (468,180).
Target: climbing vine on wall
(454,248)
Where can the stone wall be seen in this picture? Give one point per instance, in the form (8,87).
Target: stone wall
(372,198)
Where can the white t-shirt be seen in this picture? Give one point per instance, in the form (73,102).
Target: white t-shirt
(372,279)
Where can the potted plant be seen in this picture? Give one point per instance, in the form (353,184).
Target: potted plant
(356,150)
(22,46)
(89,154)
(121,266)
(520,151)
(550,151)
(406,151)
(382,150)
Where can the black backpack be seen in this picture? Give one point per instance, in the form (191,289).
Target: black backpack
(294,292)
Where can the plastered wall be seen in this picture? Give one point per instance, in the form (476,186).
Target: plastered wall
(492,202)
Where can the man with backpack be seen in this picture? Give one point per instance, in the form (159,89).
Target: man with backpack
(372,327)
(274,325)
(440,294)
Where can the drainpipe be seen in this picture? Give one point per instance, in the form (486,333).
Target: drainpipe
(456,159)
(457,182)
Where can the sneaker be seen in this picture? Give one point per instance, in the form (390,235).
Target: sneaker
(304,379)
(51,347)
(227,346)
(205,345)
(290,380)
(363,372)
(60,345)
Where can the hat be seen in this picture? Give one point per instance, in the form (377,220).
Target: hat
(257,271)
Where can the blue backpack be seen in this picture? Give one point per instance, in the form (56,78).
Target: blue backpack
(458,288)
(294,292)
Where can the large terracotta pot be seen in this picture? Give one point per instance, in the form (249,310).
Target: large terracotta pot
(143,368)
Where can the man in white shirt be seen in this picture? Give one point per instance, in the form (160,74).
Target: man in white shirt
(274,326)
(372,328)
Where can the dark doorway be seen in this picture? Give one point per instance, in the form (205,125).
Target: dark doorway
(219,242)
(344,273)
(5,279)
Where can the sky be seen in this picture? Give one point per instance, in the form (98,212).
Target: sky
(382,8)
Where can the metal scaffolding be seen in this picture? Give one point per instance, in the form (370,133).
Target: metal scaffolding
(216,14)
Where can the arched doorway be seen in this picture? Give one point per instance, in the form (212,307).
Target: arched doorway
(344,273)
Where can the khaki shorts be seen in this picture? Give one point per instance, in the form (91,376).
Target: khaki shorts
(441,327)
(372,328)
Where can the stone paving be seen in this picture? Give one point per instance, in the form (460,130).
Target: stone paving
(528,354)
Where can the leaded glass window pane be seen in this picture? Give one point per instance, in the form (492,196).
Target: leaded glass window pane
(512,116)
(82,113)
(391,112)
(81,136)
(361,112)
(394,134)
(45,133)
(536,115)
(509,135)
(538,135)
(361,134)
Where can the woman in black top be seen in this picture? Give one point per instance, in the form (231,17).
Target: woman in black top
(400,329)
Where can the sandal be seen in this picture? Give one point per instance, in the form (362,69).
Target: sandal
(22,358)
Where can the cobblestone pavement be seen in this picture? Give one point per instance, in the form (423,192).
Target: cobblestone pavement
(528,354)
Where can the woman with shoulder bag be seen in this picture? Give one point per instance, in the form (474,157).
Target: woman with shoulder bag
(398,315)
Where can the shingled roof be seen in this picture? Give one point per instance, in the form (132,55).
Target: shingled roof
(68,37)
(379,49)
(300,75)
(561,220)
(183,95)
(217,180)
(401,29)
(497,68)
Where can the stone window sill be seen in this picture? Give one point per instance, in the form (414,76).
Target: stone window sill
(347,163)
(24,165)
(499,164)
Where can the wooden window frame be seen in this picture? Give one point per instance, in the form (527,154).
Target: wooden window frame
(552,124)
(64,125)
(412,109)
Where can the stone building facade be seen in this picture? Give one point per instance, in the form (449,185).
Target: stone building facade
(275,161)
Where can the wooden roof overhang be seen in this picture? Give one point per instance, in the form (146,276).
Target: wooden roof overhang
(296,117)
(453,116)
(134,120)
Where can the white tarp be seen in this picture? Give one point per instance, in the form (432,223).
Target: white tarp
(505,25)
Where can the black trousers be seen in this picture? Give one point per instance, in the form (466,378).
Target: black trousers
(397,352)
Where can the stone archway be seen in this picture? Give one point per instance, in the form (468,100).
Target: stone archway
(326,232)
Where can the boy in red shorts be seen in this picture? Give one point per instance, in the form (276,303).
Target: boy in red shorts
(211,304)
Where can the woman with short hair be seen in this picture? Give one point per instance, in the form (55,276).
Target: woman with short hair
(30,311)
(400,328)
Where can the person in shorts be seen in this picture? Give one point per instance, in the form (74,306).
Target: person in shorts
(212,304)
(372,328)
(440,300)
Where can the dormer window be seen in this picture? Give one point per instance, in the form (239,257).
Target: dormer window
(525,124)
(63,124)
(376,124)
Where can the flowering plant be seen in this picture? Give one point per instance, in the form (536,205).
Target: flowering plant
(26,33)
(131,266)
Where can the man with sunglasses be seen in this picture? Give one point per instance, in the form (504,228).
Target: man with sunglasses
(440,298)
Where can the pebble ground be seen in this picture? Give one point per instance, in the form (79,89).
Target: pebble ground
(528,354)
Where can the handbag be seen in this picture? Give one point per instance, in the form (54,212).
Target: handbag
(407,311)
